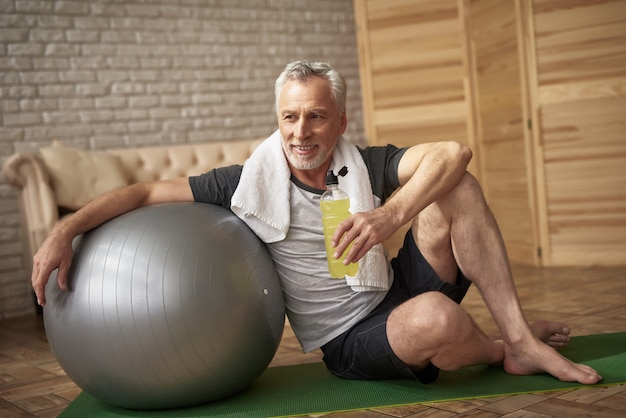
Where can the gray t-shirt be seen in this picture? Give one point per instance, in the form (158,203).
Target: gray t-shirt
(319,308)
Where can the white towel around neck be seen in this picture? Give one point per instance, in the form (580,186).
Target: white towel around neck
(261,200)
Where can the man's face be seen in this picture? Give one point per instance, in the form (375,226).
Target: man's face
(309,123)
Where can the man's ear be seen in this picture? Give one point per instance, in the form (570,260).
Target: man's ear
(344,123)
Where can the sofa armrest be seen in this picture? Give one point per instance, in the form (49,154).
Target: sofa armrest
(38,207)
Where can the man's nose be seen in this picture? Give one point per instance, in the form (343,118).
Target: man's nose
(301,130)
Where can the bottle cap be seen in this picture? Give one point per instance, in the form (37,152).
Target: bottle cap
(331,178)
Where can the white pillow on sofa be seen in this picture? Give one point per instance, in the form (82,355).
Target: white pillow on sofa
(78,176)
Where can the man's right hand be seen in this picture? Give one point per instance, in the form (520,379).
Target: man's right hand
(55,252)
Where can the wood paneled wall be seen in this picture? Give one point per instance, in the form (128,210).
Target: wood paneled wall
(537,90)
(579,103)
(506,159)
(413,62)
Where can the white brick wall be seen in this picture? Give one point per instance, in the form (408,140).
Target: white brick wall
(108,73)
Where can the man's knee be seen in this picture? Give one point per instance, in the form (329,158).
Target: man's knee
(469,188)
(436,219)
(418,329)
(431,316)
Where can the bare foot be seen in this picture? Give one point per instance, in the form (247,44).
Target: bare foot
(534,357)
(555,334)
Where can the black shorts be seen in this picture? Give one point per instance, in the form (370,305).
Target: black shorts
(363,352)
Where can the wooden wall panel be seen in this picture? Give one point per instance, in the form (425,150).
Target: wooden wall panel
(580,50)
(505,156)
(411,56)
(413,75)
(536,88)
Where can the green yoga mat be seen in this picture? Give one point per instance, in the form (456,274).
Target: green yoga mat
(310,389)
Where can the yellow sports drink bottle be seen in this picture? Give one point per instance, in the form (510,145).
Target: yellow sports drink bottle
(335,206)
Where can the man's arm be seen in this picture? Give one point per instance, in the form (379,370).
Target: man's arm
(426,173)
(56,250)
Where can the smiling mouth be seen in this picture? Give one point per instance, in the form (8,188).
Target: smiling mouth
(304,148)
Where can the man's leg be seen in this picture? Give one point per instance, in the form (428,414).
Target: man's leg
(433,328)
(459,232)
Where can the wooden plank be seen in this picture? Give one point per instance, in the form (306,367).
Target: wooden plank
(470,89)
(412,115)
(418,86)
(536,170)
(504,153)
(555,25)
(367,95)
(398,13)
(583,90)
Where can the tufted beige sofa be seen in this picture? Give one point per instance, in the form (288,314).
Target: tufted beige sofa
(39,195)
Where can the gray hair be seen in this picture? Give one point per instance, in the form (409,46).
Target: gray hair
(303,70)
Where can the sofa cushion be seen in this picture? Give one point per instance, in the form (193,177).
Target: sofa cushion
(77,176)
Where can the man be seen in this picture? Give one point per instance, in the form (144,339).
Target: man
(412,324)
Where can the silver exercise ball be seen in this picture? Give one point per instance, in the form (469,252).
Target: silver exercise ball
(168,306)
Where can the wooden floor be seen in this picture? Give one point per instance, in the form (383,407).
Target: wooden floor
(591,300)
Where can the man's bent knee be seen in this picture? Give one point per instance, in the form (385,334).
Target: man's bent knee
(419,327)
